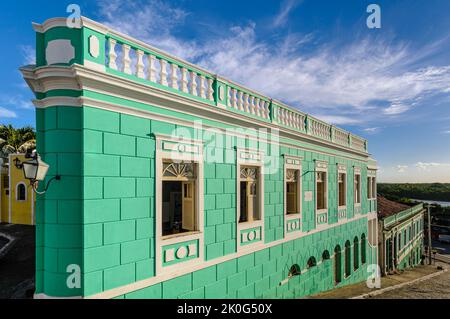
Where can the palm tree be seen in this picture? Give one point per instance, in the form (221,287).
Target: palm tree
(14,140)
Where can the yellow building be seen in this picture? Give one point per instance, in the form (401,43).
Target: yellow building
(17,200)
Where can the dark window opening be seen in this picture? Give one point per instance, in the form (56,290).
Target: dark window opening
(21,192)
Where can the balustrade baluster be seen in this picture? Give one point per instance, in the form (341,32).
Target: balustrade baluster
(240,102)
(184,81)
(112,54)
(151,68)
(140,64)
(174,76)
(193,88)
(126,59)
(210,89)
(202,86)
(163,72)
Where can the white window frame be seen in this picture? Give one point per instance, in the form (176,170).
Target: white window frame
(357,172)
(17,192)
(255,158)
(182,150)
(321,167)
(371,174)
(342,169)
(293,163)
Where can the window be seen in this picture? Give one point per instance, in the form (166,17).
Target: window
(5,181)
(371,188)
(179,207)
(363,249)
(342,189)
(292,191)
(337,265)
(355,253)
(357,188)
(374,188)
(321,190)
(249,194)
(294,271)
(311,262)
(21,192)
(347,259)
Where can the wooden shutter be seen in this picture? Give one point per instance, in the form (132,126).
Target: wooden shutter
(291,198)
(188,221)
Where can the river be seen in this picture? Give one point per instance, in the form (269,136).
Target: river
(443,204)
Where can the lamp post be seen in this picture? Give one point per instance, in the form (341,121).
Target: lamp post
(35,170)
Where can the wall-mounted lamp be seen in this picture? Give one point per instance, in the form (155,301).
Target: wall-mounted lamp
(35,170)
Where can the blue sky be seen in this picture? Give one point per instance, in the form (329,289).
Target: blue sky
(390,85)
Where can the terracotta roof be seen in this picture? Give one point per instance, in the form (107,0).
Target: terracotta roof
(387,207)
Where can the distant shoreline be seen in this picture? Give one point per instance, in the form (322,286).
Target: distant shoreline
(440,203)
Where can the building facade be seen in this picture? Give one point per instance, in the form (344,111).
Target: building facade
(178,183)
(17,198)
(401,235)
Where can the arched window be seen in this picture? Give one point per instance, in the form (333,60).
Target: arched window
(337,265)
(294,271)
(21,192)
(355,253)
(363,249)
(347,259)
(325,255)
(311,262)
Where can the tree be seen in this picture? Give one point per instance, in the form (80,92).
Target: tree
(14,140)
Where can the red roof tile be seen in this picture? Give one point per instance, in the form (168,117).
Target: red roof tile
(387,207)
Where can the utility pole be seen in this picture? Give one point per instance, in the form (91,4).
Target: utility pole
(429,235)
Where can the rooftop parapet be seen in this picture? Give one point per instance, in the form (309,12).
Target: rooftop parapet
(103,49)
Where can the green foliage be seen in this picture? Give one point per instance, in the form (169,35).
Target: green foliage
(404,192)
(18,140)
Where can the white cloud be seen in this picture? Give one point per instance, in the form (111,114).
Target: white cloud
(428,166)
(346,84)
(396,108)
(286,7)
(28,53)
(446,132)
(16,101)
(402,168)
(5,113)
(371,130)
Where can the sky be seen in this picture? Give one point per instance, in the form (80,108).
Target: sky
(390,85)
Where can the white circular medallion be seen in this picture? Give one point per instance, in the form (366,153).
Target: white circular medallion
(251,235)
(181,252)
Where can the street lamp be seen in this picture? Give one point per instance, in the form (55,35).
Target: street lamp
(35,170)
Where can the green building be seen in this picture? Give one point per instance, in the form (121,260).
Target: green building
(178,183)
(401,235)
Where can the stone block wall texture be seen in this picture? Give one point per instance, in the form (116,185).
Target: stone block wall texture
(102,214)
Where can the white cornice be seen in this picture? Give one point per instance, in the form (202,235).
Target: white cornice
(79,77)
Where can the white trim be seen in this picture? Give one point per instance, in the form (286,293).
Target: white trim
(205,264)
(17,193)
(357,172)
(294,163)
(249,157)
(321,166)
(112,84)
(161,242)
(342,169)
